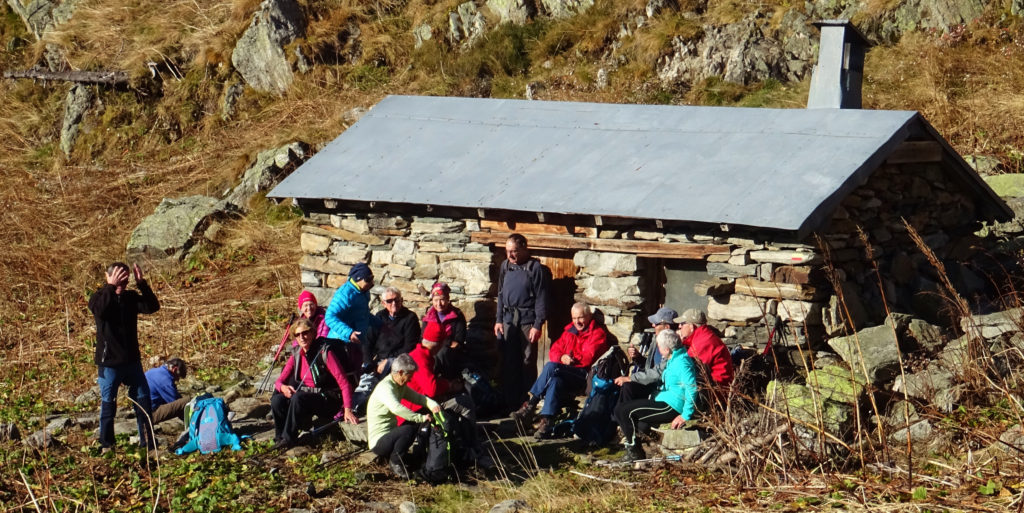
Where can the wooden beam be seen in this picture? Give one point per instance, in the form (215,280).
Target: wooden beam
(537,228)
(916,152)
(642,248)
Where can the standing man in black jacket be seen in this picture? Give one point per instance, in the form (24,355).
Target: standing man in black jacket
(523,284)
(118,360)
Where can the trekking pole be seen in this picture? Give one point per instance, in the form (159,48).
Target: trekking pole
(270,370)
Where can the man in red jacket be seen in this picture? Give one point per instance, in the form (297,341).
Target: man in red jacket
(450,394)
(706,347)
(565,375)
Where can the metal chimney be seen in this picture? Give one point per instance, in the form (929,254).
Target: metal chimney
(836,79)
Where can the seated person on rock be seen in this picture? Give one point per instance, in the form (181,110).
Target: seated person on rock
(398,334)
(565,375)
(348,316)
(450,394)
(676,401)
(386,438)
(167,403)
(706,347)
(311,383)
(451,356)
(649,364)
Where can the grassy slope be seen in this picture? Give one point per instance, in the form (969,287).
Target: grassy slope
(64,219)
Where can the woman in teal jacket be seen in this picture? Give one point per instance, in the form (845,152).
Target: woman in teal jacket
(676,401)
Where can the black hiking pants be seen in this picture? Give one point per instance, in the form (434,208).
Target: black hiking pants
(646,412)
(293,414)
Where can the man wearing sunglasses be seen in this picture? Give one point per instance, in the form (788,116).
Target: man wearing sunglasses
(399,333)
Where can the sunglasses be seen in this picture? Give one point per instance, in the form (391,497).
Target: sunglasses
(392,300)
(304,333)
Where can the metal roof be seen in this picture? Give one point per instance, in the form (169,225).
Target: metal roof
(783,169)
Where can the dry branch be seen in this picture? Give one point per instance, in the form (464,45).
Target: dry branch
(111,78)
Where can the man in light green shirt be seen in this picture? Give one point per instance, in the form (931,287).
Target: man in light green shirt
(386,437)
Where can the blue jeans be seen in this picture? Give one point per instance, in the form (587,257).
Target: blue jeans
(109,379)
(557,383)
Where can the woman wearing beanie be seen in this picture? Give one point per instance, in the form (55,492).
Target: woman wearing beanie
(314,313)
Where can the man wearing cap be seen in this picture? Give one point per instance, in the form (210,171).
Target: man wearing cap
(399,332)
(451,355)
(644,382)
(707,348)
(348,315)
(565,375)
(523,284)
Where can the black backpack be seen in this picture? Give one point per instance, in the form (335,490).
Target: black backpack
(444,443)
(594,423)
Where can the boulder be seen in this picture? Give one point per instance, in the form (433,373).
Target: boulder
(928,337)
(512,11)
(465,25)
(920,431)
(935,385)
(805,312)
(250,408)
(679,439)
(93,394)
(806,407)
(40,440)
(875,348)
(174,226)
(407,507)
(270,167)
(76,104)
(986,166)
(259,54)
(992,325)
(838,384)
(565,8)
(422,34)
(232,92)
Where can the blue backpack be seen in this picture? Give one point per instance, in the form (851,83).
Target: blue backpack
(209,428)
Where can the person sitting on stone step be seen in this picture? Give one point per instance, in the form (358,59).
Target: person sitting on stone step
(707,348)
(312,383)
(385,437)
(451,356)
(646,379)
(565,375)
(398,334)
(676,401)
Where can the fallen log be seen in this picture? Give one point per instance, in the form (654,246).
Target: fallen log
(83,77)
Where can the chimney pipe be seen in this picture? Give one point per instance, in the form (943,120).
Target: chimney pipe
(836,79)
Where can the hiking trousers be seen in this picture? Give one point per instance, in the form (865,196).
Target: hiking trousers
(291,415)
(634,415)
(110,379)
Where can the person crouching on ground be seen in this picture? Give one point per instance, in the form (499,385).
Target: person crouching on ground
(450,394)
(676,401)
(310,384)
(565,376)
(167,403)
(385,437)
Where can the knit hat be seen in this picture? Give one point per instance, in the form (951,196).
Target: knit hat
(433,332)
(360,272)
(304,296)
(692,316)
(440,289)
(664,315)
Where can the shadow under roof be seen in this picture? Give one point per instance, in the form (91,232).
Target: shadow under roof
(783,169)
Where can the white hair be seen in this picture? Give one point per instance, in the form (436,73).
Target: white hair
(669,339)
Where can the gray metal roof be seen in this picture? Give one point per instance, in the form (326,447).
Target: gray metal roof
(783,169)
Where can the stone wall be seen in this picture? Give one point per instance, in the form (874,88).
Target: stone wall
(757,283)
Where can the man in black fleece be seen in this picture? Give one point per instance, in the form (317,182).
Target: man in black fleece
(399,333)
(117,358)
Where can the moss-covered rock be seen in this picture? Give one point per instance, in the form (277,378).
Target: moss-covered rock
(838,384)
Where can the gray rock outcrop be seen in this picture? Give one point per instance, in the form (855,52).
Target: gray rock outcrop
(740,53)
(42,16)
(271,167)
(565,8)
(466,24)
(259,54)
(875,348)
(512,11)
(76,104)
(172,229)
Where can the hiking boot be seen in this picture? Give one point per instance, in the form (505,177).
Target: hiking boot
(633,452)
(524,415)
(399,470)
(543,428)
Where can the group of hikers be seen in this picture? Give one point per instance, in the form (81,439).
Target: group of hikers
(407,371)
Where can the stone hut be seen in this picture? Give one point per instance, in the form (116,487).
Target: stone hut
(763,218)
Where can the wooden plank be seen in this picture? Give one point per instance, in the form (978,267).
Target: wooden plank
(754,287)
(641,248)
(916,151)
(536,228)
